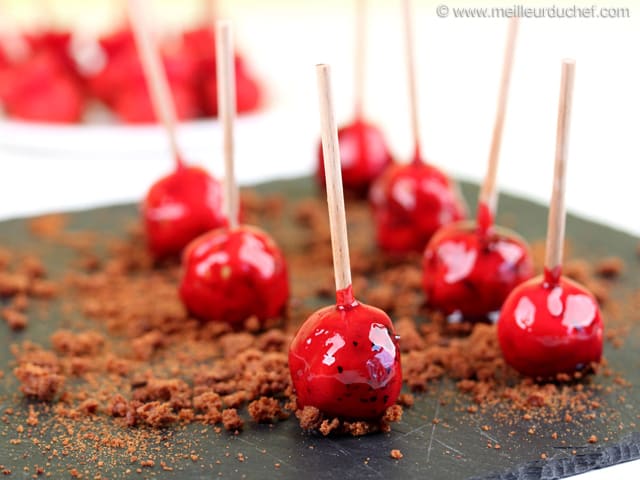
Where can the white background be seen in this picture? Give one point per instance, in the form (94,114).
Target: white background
(459,66)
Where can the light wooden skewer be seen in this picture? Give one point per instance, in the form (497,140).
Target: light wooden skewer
(226,77)
(556,221)
(155,75)
(411,72)
(488,192)
(333,176)
(360,52)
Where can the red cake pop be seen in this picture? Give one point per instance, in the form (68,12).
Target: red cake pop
(14,50)
(469,269)
(120,83)
(551,325)
(117,42)
(179,207)
(58,44)
(186,203)
(40,89)
(133,104)
(4,61)
(198,44)
(345,359)
(40,82)
(248,91)
(363,148)
(233,273)
(411,202)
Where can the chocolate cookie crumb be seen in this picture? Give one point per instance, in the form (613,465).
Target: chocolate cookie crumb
(231,420)
(610,267)
(396,454)
(17,321)
(266,410)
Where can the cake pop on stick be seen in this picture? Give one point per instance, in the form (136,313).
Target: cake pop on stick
(233,273)
(188,202)
(411,202)
(345,359)
(39,82)
(363,148)
(197,44)
(550,324)
(470,268)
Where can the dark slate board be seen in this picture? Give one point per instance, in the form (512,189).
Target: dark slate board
(455,448)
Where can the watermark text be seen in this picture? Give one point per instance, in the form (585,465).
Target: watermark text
(525,11)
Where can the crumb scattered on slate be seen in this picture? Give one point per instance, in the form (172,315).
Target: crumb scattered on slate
(132,356)
(396,454)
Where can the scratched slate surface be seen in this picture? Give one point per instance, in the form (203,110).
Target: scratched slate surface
(454,448)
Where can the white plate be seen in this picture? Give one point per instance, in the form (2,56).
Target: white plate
(65,167)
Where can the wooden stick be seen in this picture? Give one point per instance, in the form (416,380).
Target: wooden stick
(411,72)
(155,75)
(556,221)
(226,77)
(333,176)
(360,52)
(488,192)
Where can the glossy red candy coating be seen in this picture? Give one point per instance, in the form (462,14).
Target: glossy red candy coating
(117,42)
(468,273)
(179,207)
(410,203)
(133,105)
(248,91)
(364,156)
(550,327)
(58,44)
(200,43)
(231,275)
(345,361)
(39,89)
(122,81)
(4,65)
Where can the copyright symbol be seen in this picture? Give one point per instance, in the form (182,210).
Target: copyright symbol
(442,11)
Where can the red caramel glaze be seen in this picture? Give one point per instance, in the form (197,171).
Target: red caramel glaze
(178,208)
(364,155)
(345,361)
(345,298)
(134,104)
(248,92)
(231,275)
(484,218)
(59,44)
(199,44)
(410,203)
(550,327)
(41,89)
(468,273)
